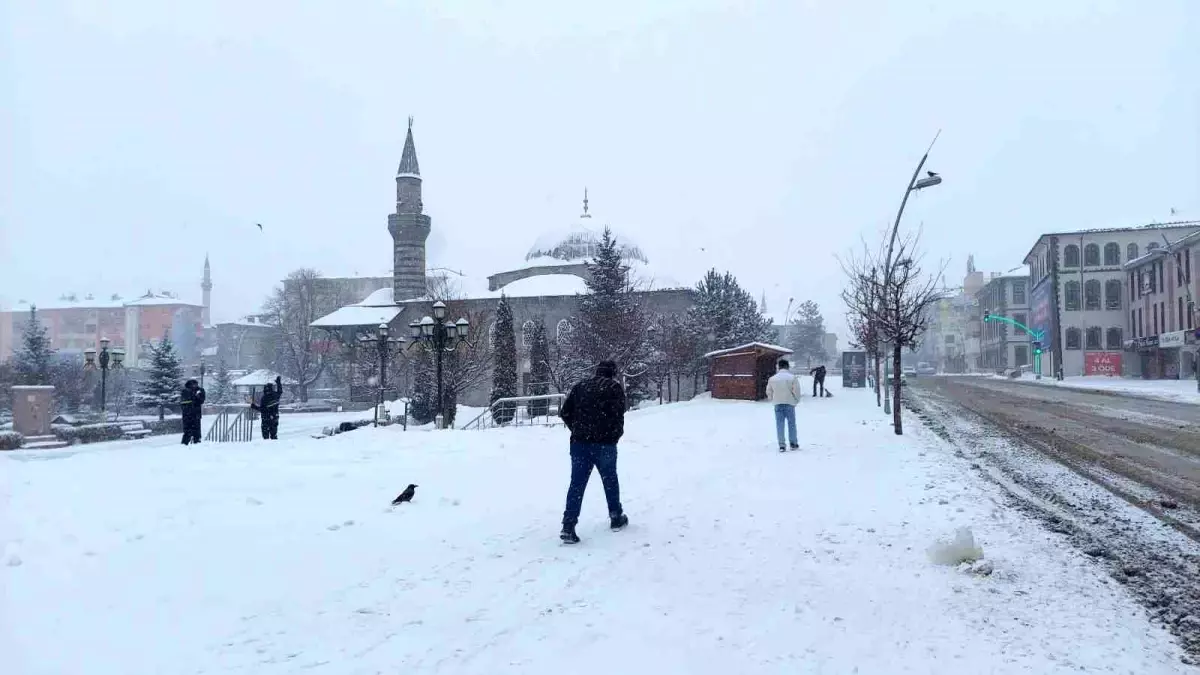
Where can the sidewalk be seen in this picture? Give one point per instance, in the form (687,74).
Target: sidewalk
(1178,391)
(739,559)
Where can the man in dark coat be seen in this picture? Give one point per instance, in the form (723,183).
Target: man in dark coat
(818,374)
(268,405)
(595,413)
(191,401)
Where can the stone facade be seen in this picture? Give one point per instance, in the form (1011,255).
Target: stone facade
(409,226)
(1005,346)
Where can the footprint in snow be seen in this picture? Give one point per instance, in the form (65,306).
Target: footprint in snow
(253,502)
(334,528)
(14,560)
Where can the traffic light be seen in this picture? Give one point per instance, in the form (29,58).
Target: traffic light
(987,317)
(1037,347)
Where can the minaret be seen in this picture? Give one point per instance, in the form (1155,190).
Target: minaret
(409,227)
(206,288)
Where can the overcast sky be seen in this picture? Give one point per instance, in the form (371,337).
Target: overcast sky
(762,138)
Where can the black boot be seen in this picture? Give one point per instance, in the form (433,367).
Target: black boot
(618,522)
(568,535)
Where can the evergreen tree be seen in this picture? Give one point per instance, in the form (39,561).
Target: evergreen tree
(611,324)
(725,315)
(222,387)
(33,361)
(504,372)
(161,387)
(423,406)
(539,368)
(808,334)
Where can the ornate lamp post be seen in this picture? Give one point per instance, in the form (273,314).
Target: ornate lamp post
(383,343)
(116,357)
(439,335)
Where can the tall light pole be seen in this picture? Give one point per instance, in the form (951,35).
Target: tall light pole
(383,342)
(439,335)
(116,357)
(914,185)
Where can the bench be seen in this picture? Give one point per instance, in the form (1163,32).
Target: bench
(136,433)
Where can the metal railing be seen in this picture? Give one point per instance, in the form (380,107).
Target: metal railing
(516,411)
(234,424)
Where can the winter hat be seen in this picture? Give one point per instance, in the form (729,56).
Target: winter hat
(606,369)
(190,383)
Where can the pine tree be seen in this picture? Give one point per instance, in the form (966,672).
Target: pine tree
(808,334)
(161,388)
(222,387)
(423,407)
(504,372)
(539,368)
(32,362)
(725,315)
(611,324)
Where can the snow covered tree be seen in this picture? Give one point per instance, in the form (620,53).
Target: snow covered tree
(34,359)
(302,351)
(164,377)
(726,315)
(808,334)
(611,324)
(539,368)
(504,374)
(423,405)
(221,390)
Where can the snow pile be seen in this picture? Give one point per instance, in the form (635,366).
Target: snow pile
(283,557)
(961,549)
(1182,391)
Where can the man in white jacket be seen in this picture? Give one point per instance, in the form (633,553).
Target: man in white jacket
(783,389)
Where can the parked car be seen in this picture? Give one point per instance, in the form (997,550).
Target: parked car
(926,369)
(909,371)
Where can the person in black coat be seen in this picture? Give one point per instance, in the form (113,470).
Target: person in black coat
(818,374)
(268,405)
(595,413)
(191,402)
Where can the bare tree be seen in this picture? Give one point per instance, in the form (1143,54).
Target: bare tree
(301,351)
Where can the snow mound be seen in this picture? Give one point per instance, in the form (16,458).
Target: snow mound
(961,549)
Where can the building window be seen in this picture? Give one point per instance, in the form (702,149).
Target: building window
(1020,318)
(1113,338)
(1071,256)
(1018,292)
(562,334)
(1187,265)
(1132,252)
(1091,295)
(1141,323)
(1179,316)
(1112,294)
(1112,254)
(1154,312)
(1153,281)
(1191,311)
(1162,312)
(1021,355)
(1072,295)
(1161,284)
(1073,338)
(1091,255)
(527,334)
(1133,322)
(1151,246)
(1093,338)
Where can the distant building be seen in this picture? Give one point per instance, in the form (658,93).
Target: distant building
(1005,346)
(951,340)
(1078,293)
(1161,319)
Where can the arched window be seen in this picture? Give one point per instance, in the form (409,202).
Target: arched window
(562,333)
(1132,252)
(1071,256)
(1112,254)
(1151,246)
(1112,294)
(1073,336)
(1114,338)
(1071,291)
(1091,295)
(527,334)
(1093,338)
(1091,255)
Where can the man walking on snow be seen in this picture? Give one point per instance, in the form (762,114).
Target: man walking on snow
(783,389)
(595,413)
(818,374)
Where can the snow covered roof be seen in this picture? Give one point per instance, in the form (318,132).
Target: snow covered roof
(748,346)
(158,299)
(259,377)
(372,310)
(540,285)
(579,243)
(379,298)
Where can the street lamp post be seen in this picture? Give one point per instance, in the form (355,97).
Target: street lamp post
(439,335)
(116,357)
(383,342)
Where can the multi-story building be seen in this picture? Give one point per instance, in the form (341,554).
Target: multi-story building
(1077,293)
(951,340)
(1003,345)
(1161,318)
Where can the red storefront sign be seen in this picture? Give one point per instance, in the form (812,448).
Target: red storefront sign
(1102,363)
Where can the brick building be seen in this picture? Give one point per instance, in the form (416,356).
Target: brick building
(1162,320)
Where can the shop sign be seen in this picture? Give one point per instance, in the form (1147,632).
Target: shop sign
(1170,340)
(1102,363)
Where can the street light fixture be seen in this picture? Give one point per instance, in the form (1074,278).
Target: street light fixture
(116,357)
(439,335)
(383,343)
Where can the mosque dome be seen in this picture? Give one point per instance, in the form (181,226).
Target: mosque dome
(579,243)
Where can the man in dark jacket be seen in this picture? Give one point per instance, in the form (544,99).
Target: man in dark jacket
(268,405)
(818,374)
(595,413)
(191,401)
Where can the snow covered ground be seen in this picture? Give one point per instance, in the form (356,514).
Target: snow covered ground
(1183,391)
(256,558)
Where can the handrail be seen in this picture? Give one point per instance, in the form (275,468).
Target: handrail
(232,428)
(486,419)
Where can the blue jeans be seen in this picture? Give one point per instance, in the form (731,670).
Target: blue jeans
(584,456)
(787,412)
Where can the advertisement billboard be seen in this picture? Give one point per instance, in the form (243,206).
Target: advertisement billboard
(1041,313)
(854,369)
(1102,363)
